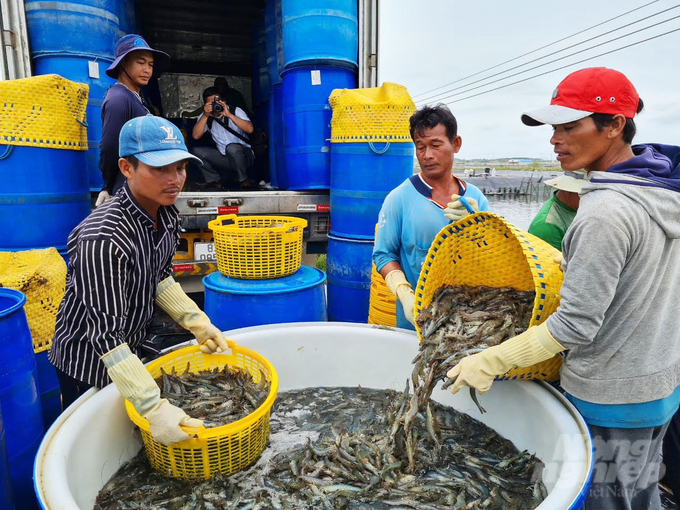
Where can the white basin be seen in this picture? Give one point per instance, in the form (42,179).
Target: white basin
(90,441)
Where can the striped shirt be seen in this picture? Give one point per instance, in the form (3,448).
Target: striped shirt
(117,257)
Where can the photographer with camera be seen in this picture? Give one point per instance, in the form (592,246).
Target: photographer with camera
(229,127)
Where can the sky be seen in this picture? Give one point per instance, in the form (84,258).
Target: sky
(426,44)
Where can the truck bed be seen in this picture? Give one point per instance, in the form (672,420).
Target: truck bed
(198,208)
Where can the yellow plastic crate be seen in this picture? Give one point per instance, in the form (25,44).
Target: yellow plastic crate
(226,449)
(379,114)
(44,111)
(484,249)
(41,275)
(258,247)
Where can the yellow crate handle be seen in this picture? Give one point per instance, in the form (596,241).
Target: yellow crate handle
(193,431)
(219,221)
(289,237)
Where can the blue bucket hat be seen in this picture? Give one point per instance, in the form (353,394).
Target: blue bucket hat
(132,42)
(154,141)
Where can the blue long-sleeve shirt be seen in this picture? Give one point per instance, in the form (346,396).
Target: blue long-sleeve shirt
(408,223)
(119,106)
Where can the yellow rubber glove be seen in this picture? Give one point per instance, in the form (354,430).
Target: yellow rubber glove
(135,383)
(478,371)
(400,287)
(456,211)
(171,298)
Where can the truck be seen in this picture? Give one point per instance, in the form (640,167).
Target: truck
(205,40)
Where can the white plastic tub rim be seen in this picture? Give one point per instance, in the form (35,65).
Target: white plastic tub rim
(94,437)
(38,478)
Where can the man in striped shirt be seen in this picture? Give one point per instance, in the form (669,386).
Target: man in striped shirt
(120,262)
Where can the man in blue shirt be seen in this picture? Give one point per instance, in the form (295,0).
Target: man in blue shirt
(414,212)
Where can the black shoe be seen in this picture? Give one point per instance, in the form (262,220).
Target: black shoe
(248,185)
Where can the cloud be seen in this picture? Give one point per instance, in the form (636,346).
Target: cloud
(431,43)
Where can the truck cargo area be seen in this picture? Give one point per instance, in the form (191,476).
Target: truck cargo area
(206,40)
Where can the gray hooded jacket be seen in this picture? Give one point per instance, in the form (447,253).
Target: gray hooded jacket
(619,317)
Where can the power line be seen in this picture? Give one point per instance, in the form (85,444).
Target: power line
(537,49)
(564,67)
(550,62)
(556,52)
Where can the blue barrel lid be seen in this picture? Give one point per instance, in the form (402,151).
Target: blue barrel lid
(303,278)
(10,301)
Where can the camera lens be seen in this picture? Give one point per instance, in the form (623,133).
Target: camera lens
(217,107)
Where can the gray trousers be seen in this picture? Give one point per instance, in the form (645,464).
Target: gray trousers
(237,160)
(627,468)
(671,455)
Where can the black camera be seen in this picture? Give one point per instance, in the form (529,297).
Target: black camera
(217,107)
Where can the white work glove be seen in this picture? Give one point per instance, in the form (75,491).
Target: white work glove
(135,383)
(456,211)
(171,298)
(103,197)
(478,371)
(400,287)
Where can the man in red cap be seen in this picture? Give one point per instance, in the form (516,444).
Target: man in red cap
(134,64)
(617,324)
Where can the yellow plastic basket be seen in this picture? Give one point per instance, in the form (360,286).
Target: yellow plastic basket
(379,114)
(226,449)
(44,111)
(41,275)
(484,249)
(258,247)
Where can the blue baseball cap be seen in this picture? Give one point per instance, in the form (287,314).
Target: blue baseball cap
(133,42)
(154,141)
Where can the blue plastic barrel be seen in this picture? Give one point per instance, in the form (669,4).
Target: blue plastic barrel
(261,115)
(231,303)
(48,387)
(263,73)
(75,68)
(127,17)
(6,501)
(271,133)
(76,40)
(280,138)
(307,123)
(255,87)
(277,161)
(320,31)
(362,174)
(44,194)
(274,40)
(349,278)
(19,399)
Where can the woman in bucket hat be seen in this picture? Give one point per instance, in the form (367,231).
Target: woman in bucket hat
(617,324)
(134,64)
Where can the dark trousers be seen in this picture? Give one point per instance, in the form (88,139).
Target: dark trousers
(627,468)
(671,456)
(71,389)
(238,160)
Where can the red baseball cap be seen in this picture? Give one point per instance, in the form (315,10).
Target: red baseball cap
(584,92)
